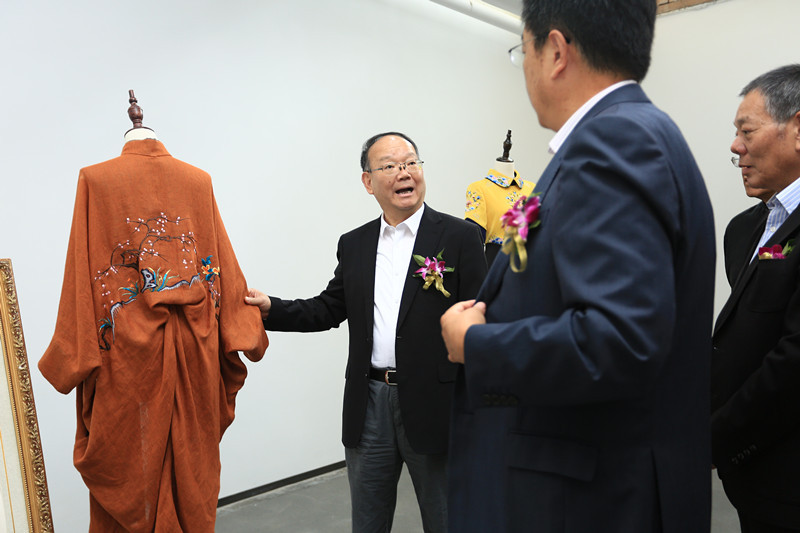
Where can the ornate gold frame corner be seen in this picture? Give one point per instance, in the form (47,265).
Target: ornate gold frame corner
(18,379)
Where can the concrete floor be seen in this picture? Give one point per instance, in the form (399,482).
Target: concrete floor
(322,505)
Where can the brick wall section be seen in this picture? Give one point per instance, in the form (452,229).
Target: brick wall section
(665,6)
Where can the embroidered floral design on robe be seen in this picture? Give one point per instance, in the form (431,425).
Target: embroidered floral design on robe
(149,239)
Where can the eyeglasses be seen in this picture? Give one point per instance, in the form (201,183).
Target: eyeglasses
(392,169)
(517,54)
(735,161)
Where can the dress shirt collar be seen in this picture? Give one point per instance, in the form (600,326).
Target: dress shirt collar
(788,198)
(411,223)
(576,117)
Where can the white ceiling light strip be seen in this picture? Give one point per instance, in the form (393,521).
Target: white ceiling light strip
(485,12)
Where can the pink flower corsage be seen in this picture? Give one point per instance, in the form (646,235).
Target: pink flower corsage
(523,216)
(432,272)
(776,251)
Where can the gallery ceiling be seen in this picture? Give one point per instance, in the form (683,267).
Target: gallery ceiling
(501,13)
(512,6)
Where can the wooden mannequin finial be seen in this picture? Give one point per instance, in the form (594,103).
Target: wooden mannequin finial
(506,149)
(134,111)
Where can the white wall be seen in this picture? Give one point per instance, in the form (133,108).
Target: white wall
(274,99)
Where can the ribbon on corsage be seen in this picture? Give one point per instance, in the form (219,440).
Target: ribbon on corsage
(432,272)
(776,251)
(523,216)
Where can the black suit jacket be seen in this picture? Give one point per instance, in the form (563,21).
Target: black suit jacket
(755,377)
(425,377)
(743,232)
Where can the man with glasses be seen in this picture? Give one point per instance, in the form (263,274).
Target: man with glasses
(755,366)
(743,229)
(396,276)
(584,403)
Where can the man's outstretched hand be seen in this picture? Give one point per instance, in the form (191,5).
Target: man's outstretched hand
(260,300)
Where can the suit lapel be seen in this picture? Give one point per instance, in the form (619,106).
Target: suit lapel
(494,279)
(628,93)
(548,176)
(787,228)
(428,238)
(755,236)
(368,254)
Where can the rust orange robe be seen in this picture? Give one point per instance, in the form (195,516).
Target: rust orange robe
(150,323)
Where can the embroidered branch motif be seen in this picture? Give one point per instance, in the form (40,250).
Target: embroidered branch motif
(151,240)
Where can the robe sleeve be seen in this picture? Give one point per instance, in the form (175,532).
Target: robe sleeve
(74,351)
(240,325)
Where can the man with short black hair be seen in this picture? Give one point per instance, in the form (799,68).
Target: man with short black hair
(583,406)
(399,383)
(755,367)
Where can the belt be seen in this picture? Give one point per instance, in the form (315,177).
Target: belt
(387,375)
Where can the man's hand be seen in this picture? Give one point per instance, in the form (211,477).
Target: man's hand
(259,299)
(455,323)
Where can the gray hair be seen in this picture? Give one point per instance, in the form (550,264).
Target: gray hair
(781,91)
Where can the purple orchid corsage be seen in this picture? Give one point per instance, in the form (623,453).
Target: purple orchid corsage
(776,251)
(433,271)
(523,216)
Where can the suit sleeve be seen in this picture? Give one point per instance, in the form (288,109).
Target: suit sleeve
(613,229)
(320,313)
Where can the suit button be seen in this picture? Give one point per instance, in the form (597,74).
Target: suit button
(506,400)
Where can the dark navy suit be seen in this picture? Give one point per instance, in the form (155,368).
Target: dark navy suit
(583,403)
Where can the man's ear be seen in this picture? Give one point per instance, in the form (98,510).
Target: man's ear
(794,124)
(366,179)
(561,52)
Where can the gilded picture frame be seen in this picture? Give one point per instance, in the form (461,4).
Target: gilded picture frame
(24,498)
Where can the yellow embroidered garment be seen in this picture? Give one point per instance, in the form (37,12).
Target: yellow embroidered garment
(149,326)
(489,198)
